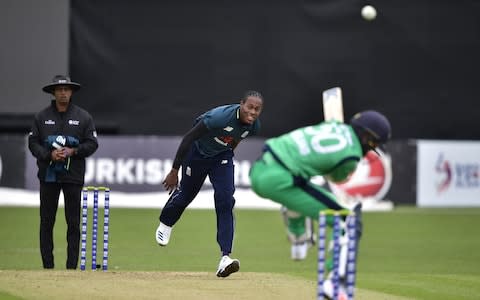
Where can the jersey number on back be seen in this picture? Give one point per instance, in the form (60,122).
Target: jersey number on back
(327,138)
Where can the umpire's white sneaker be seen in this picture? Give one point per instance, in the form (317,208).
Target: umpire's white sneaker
(162,235)
(227,266)
(299,251)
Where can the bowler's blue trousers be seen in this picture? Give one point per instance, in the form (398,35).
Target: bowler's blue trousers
(195,169)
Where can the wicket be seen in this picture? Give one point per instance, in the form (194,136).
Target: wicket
(106,221)
(351,252)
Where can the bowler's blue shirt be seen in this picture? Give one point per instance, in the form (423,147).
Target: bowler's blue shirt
(225,130)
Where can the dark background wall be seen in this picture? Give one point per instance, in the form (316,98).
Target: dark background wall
(34,39)
(34,47)
(149,67)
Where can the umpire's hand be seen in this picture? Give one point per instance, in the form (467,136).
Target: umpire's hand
(171,181)
(58,154)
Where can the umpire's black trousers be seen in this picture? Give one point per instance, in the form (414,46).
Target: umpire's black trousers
(49,195)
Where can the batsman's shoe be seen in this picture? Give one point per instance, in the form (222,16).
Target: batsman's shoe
(299,251)
(328,291)
(162,235)
(227,266)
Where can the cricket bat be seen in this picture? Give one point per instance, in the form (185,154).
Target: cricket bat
(333,104)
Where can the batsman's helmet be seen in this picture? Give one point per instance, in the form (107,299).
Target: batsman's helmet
(374,123)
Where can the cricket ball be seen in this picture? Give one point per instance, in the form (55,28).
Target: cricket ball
(369,12)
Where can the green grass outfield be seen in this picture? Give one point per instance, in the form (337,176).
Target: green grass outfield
(409,253)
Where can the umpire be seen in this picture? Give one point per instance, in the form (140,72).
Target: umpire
(62,136)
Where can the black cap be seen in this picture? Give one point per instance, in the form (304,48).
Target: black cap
(61,80)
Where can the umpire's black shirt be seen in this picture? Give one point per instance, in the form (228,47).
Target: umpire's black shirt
(75,122)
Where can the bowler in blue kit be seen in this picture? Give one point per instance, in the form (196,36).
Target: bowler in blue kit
(207,150)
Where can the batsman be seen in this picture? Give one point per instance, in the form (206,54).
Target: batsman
(331,149)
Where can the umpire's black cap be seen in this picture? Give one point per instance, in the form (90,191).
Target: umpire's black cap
(61,80)
(375,123)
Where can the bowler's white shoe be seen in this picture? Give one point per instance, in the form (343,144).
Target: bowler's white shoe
(227,266)
(162,235)
(299,251)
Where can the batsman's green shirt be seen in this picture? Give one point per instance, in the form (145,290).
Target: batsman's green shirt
(330,149)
